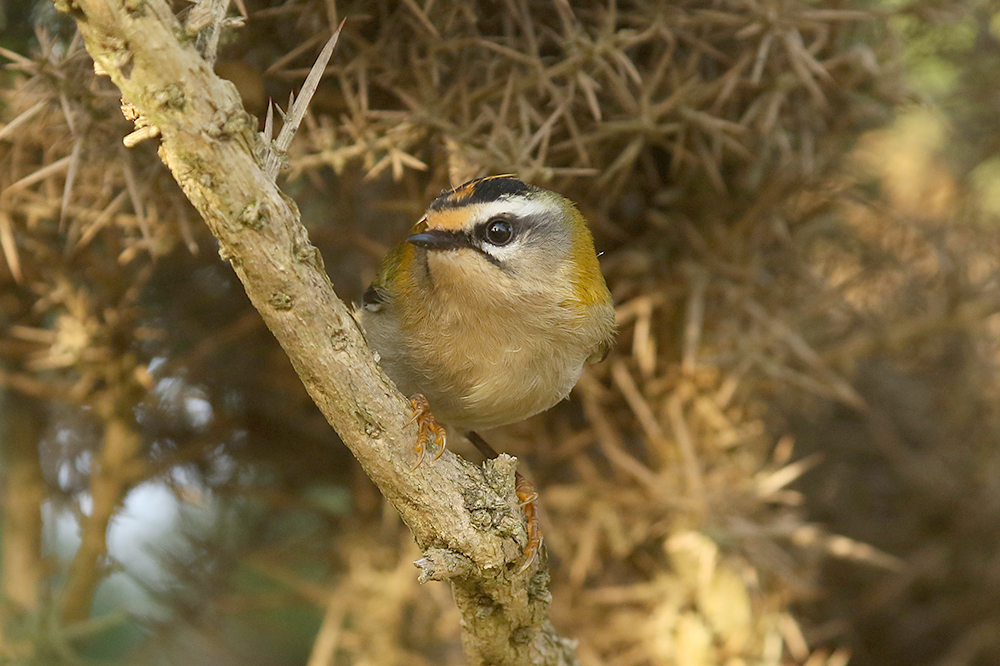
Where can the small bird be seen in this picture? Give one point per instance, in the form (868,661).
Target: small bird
(487,312)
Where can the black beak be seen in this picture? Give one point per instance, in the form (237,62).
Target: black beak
(439,239)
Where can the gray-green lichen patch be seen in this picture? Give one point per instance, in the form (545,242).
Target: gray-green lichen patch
(280,301)
(254,215)
(170,97)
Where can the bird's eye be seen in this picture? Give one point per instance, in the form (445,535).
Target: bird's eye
(499,232)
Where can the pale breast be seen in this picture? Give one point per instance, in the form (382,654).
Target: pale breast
(509,385)
(502,373)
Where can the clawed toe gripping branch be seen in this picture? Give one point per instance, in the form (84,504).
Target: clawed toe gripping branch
(227,170)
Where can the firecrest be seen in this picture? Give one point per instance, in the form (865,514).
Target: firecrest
(491,306)
(487,313)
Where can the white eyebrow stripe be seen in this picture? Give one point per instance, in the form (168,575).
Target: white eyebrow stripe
(517,206)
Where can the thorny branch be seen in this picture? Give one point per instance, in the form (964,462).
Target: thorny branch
(465,518)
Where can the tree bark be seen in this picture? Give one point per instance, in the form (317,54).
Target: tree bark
(465,518)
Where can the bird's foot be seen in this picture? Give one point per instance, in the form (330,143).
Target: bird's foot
(428,427)
(527,495)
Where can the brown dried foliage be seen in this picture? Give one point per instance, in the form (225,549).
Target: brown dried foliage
(705,142)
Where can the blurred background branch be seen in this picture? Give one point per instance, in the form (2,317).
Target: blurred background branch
(21,555)
(790,458)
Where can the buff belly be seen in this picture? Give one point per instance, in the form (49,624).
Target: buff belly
(498,377)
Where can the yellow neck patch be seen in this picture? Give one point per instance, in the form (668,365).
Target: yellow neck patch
(588,283)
